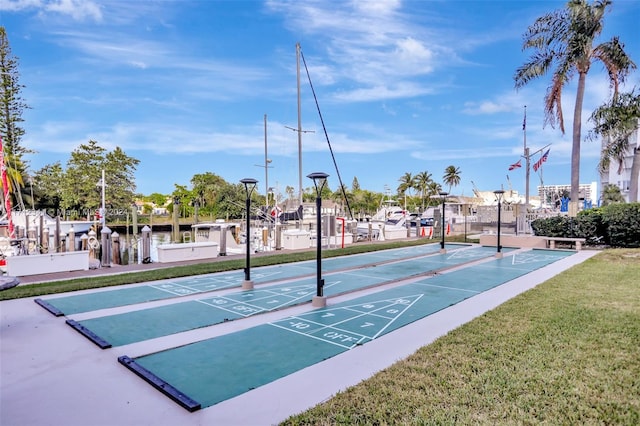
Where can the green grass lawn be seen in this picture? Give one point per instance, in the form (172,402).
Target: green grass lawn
(566,352)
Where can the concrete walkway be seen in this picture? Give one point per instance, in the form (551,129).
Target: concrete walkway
(49,374)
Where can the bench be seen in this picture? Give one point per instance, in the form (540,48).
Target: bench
(551,241)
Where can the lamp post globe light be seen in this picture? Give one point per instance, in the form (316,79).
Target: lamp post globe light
(443,196)
(249,187)
(319,181)
(499,193)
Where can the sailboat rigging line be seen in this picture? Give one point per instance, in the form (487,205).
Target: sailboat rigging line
(335,164)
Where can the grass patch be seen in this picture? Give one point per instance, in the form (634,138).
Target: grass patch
(565,352)
(219,265)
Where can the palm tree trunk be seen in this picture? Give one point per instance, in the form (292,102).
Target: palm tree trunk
(635,175)
(575,149)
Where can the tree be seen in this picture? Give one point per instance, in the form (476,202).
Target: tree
(11,108)
(433,189)
(611,194)
(180,198)
(80,189)
(615,122)
(289,191)
(206,187)
(157,199)
(423,179)
(355,185)
(120,175)
(451,176)
(407,183)
(564,40)
(46,184)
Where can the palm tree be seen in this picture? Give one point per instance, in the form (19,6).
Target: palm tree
(564,40)
(407,183)
(289,190)
(423,179)
(14,168)
(611,194)
(451,176)
(433,189)
(615,123)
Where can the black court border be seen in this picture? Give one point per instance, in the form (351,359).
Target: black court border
(103,344)
(183,400)
(49,307)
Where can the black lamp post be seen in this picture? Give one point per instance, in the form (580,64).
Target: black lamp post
(443,196)
(499,193)
(319,181)
(249,186)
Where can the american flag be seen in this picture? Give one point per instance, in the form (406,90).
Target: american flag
(515,165)
(542,159)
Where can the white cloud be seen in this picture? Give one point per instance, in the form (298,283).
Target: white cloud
(79,10)
(372,45)
(485,107)
(19,5)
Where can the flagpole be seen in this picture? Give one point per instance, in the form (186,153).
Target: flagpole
(526,156)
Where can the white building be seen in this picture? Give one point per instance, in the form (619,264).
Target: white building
(623,179)
(552,194)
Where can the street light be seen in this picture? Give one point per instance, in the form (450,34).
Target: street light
(319,181)
(443,196)
(499,193)
(249,186)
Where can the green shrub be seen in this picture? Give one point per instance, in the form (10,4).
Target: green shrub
(589,225)
(617,225)
(623,224)
(555,226)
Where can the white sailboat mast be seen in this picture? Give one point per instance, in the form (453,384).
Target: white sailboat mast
(299,126)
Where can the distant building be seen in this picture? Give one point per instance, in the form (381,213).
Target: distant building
(552,194)
(620,174)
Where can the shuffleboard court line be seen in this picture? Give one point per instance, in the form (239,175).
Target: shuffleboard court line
(331,342)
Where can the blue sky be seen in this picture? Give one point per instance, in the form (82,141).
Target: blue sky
(403,86)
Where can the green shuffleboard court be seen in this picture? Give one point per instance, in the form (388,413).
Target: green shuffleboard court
(68,305)
(207,372)
(144,324)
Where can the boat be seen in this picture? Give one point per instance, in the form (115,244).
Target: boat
(34,219)
(23,234)
(389,222)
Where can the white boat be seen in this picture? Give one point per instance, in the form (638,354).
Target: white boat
(389,222)
(225,234)
(27,233)
(31,219)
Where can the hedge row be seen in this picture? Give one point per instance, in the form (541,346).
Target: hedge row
(616,225)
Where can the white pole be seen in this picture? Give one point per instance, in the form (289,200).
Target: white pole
(299,125)
(266,166)
(104,212)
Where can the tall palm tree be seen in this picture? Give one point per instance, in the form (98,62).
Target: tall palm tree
(423,179)
(451,176)
(407,183)
(564,40)
(615,122)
